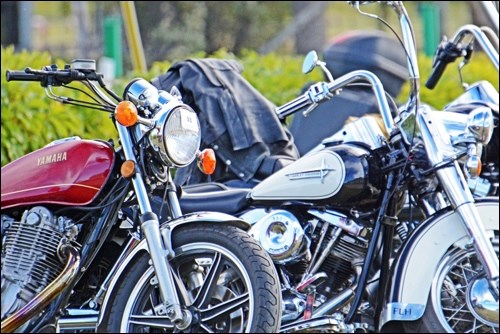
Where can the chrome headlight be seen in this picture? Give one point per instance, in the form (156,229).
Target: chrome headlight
(480,124)
(176,132)
(176,135)
(142,94)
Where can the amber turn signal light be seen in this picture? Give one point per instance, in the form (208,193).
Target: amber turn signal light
(127,169)
(126,113)
(206,161)
(473,167)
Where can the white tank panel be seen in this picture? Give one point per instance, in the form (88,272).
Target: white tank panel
(316,176)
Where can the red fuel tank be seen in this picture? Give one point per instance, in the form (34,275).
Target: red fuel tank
(67,173)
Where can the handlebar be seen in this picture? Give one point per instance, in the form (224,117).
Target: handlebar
(51,76)
(323,91)
(22,76)
(80,70)
(293,106)
(448,52)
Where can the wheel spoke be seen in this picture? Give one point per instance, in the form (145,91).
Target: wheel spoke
(455,310)
(452,316)
(459,319)
(209,284)
(475,327)
(206,328)
(151,321)
(451,291)
(224,308)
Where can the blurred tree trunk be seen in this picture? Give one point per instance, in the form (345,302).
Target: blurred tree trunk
(80,11)
(212,26)
(10,22)
(245,15)
(312,35)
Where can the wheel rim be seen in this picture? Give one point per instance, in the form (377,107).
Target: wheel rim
(459,295)
(219,290)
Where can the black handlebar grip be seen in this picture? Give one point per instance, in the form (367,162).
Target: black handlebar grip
(22,76)
(437,72)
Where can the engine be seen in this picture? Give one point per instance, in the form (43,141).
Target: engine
(345,256)
(328,244)
(30,255)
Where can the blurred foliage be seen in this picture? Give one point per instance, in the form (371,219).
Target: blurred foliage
(177,28)
(278,77)
(30,120)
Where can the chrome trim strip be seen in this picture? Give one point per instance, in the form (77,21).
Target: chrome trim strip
(51,186)
(402,312)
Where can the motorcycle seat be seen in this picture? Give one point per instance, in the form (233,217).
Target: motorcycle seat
(219,199)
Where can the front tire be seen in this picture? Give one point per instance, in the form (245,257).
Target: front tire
(459,300)
(231,286)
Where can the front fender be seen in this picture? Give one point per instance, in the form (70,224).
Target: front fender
(415,266)
(136,248)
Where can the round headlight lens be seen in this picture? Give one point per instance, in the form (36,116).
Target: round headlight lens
(176,136)
(182,136)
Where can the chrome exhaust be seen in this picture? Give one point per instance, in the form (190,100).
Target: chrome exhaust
(327,324)
(316,325)
(48,294)
(78,320)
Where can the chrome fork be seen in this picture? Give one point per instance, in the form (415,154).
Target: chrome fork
(453,182)
(157,250)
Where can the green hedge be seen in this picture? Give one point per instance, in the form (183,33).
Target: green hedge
(30,120)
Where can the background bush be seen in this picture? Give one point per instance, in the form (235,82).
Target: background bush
(30,120)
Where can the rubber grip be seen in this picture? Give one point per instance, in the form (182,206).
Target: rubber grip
(436,74)
(22,76)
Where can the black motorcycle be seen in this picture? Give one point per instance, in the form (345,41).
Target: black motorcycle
(332,220)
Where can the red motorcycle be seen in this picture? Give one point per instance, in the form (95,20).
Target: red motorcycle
(93,238)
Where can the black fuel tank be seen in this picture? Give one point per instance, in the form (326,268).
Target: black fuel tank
(344,175)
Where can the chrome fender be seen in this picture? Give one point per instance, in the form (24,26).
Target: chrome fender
(137,247)
(416,264)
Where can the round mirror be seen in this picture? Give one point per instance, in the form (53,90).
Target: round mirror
(309,62)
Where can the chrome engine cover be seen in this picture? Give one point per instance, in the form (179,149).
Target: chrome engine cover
(281,235)
(364,129)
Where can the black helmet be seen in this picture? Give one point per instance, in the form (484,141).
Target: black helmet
(374,51)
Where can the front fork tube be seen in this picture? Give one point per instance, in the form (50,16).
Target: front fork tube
(151,228)
(439,149)
(463,202)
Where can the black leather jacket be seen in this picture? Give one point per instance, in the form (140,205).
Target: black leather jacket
(237,121)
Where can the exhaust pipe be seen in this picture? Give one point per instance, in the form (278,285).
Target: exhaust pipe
(317,325)
(78,320)
(48,294)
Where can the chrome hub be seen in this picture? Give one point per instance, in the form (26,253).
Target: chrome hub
(481,301)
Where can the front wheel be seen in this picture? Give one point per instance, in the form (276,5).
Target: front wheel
(231,286)
(460,300)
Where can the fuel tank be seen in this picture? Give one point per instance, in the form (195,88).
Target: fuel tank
(70,173)
(345,175)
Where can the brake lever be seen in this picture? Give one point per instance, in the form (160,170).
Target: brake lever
(317,93)
(309,109)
